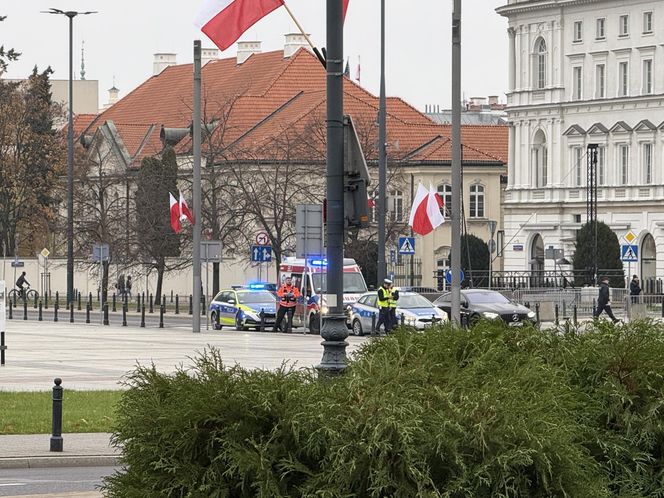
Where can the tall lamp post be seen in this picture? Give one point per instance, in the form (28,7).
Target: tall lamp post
(70,152)
(492,246)
(382,156)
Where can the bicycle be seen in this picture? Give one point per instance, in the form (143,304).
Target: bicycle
(25,293)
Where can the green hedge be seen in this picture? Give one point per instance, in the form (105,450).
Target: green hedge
(490,412)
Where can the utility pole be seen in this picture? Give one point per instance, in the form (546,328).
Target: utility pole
(334,330)
(196,305)
(456,162)
(382,156)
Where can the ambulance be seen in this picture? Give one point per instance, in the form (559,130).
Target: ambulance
(310,276)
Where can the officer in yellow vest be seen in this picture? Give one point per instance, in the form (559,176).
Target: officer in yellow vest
(384,306)
(393,307)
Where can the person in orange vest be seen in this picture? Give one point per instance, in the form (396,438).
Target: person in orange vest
(288,295)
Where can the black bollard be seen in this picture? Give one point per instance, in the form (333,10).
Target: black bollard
(105,313)
(556,312)
(71,313)
(143,315)
(143,298)
(35,303)
(594,306)
(171,295)
(373,324)
(138,303)
(56,305)
(177,304)
(114,303)
(87,312)
(403,319)
(575,316)
(202,305)
(163,302)
(57,298)
(262,325)
(25,309)
(151,304)
(3,347)
(78,298)
(11,306)
(90,301)
(161,315)
(40,315)
(537,312)
(191,304)
(15,299)
(56,438)
(124,314)
(46,300)
(662,308)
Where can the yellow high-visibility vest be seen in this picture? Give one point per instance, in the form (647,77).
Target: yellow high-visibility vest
(387,294)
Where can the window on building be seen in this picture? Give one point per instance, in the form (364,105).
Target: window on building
(577,166)
(541,54)
(623,163)
(396,206)
(578,82)
(647,22)
(600,81)
(647,163)
(623,25)
(623,79)
(647,76)
(601,165)
(445,192)
(500,243)
(600,29)
(578,31)
(477,201)
(540,160)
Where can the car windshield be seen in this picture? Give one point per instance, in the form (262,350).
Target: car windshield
(486,298)
(413,301)
(255,297)
(353,282)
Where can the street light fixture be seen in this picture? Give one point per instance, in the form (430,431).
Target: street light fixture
(70,151)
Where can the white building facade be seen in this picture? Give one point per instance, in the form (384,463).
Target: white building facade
(584,72)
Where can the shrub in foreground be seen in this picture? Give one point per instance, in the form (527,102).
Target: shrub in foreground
(488,412)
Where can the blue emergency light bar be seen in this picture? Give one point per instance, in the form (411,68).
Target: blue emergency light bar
(318,262)
(257,286)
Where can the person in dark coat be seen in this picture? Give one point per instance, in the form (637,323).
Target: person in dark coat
(603,300)
(634,288)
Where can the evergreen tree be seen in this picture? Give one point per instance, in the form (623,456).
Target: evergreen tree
(608,255)
(6,55)
(156,239)
(365,253)
(474,260)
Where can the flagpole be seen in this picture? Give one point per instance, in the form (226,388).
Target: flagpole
(196,304)
(456,163)
(306,36)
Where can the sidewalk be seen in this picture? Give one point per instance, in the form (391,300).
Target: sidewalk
(79,450)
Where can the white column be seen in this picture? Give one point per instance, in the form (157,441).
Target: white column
(510,155)
(512,59)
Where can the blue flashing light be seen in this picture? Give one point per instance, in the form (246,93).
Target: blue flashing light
(318,262)
(257,286)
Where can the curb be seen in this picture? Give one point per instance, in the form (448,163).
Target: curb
(36,462)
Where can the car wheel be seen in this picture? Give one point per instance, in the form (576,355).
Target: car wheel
(357,328)
(213,319)
(239,323)
(314,323)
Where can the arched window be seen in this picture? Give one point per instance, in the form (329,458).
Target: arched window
(540,160)
(477,201)
(540,63)
(445,192)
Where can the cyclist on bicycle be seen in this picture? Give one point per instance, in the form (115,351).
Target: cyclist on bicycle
(19,283)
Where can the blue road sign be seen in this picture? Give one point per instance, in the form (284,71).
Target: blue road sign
(406,245)
(261,254)
(629,253)
(18,264)
(448,276)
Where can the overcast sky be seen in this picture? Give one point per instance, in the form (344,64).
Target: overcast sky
(121,39)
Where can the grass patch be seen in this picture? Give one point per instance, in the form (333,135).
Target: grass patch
(82,411)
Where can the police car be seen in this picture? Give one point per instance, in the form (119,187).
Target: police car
(417,311)
(241,307)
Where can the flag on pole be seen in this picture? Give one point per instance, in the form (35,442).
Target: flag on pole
(345,8)
(224,21)
(347,69)
(185,213)
(175,214)
(358,74)
(425,214)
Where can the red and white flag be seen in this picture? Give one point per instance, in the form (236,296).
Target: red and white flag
(345,7)
(175,214)
(224,21)
(425,214)
(185,213)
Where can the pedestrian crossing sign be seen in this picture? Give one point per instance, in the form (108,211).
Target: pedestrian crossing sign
(406,245)
(629,253)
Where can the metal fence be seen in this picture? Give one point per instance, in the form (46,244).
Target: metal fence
(407,272)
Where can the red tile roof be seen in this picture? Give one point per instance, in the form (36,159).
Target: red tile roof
(256,103)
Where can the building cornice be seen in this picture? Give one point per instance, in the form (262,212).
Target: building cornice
(535,5)
(584,103)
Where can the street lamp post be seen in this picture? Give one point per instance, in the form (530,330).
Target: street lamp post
(70,152)
(492,245)
(382,156)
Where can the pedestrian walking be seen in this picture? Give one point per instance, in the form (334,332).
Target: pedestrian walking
(128,285)
(634,288)
(120,285)
(604,301)
(384,306)
(288,295)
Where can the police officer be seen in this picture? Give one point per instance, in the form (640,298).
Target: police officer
(288,295)
(393,307)
(384,306)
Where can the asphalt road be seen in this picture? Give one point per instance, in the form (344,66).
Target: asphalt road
(44,481)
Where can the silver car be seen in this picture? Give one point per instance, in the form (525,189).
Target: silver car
(417,311)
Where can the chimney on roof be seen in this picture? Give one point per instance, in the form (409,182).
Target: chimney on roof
(477,101)
(294,41)
(162,61)
(493,99)
(246,49)
(208,55)
(113,96)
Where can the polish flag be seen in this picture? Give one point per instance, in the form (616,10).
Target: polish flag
(175,214)
(185,213)
(425,214)
(224,21)
(345,7)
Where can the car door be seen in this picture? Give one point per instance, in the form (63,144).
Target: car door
(226,308)
(444,302)
(369,309)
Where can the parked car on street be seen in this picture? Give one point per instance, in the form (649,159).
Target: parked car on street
(417,311)
(490,305)
(242,307)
